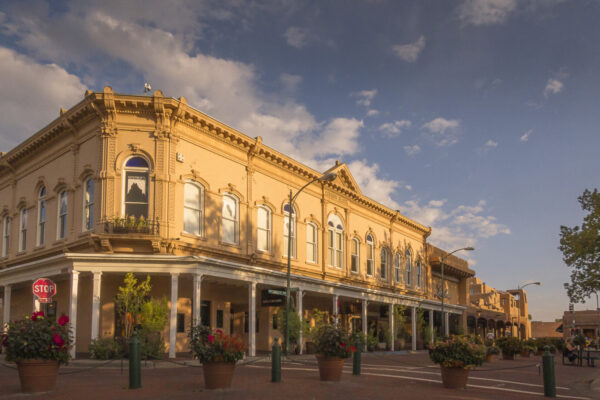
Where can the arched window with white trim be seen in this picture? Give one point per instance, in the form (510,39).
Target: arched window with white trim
(355,256)
(231,219)
(88,205)
(193,208)
(397,268)
(370,254)
(263,229)
(5,236)
(61,226)
(408,261)
(286,231)
(41,217)
(23,230)
(311,243)
(335,242)
(135,194)
(384,263)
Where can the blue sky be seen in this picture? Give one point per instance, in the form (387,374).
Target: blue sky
(476,117)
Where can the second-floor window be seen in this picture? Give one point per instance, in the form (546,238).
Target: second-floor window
(419,271)
(23,231)
(231,219)
(41,223)
(286,231)
(88,205)
(193,196)
(408,261)
(5,236)
(384,263)
(135,197)
(355,256)
(61,231)
(370,252)
(311,242)
(335,242)
(263,229)
(397,268)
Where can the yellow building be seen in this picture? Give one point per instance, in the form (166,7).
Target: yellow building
(146,184)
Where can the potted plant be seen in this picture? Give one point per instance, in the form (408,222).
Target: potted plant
(510,346)
(38,345)
(217,353)
(490,352)
(529,347)
(456,356)
(333,346)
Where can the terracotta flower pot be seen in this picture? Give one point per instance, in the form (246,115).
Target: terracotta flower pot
(489,358)
(217,375)
(37,375)
(508,356)
(454,377)
(525,354)
(330,368)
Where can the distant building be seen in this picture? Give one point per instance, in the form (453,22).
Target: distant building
(586,322)
(546,329)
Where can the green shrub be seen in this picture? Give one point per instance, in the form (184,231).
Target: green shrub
(332,341)
(152,344)
(509,345)
(492,350)
(457,351)
(372,340)
(105,349)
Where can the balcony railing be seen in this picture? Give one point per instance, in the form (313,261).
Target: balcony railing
(132,225)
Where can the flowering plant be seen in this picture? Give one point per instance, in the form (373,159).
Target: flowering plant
(332,341)
(38,337)
(215,347)
(510,345)
(457,351)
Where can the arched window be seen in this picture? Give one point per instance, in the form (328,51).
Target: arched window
(88,205)
(418,273)
(193,208)
(263,229)
(397,268)
(135,199)
(335,242)
(408,260)
(370,252)
(384,263)
(286,231)
(231,219)
(5,236)
(61,226)
(311,242)
(355,259)
(23,231)
(41,223)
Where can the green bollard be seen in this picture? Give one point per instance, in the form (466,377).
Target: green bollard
(356,360)
(548,367)
(135,363)
(276,362)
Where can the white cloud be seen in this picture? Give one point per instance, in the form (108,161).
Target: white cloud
(290,82)
(412,150)
(553,86)
(491,144)
(393,129)
(408,187)
(297,37)
(365,97)
(37,91)
(525,136)
(443,132)
(377,188)
(410,52)
(486,12)
(372,113)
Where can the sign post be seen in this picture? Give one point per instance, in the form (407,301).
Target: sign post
(44,289)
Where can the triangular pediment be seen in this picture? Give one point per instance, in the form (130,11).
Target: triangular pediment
(344,177)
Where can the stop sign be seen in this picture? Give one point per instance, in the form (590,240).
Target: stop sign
(44,289)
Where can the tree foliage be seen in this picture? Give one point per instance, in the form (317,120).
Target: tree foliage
(580,246)
(130,300)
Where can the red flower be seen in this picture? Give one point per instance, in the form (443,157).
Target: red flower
(211,338)
(36,315)
(4,339)
(342,344)
(58,340)
(352,349)
(63,320)
(219,332)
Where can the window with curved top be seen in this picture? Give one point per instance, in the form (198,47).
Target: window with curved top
(335,242)
(311,242)
(193,208)
(370,253)
(135,198)
(289,231)
(61,227)
(397,268)
(263,229)
(231,219)
(88,205)
(418,273)
(355,256)
(41,220)
(384,263)
(5,236)
(23,231)
(408,261)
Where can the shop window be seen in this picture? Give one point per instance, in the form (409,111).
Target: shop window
(219,319)
(180,323)
(275,321)
(136,188)
(193,208)
(205,313)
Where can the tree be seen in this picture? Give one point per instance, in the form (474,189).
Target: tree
(581,249)
(130,300)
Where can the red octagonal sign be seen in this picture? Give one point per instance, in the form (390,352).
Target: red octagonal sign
(44,289)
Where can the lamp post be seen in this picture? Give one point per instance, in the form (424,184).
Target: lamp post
(519,288)
(324,178)
(444,256)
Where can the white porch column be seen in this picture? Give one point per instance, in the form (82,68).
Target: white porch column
(252,319)
(97,281)
(413,321)
(6,305)
(173,319)
(364,321)
(73,308)
(335,309)
(391,317)
(447,323)
(196,300)
(300,315)
(431,324)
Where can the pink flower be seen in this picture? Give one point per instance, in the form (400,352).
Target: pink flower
(63,320)
(58,340)
(36,315)
(211,338)
(219,332)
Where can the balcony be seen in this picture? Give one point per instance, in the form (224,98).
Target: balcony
(132,225)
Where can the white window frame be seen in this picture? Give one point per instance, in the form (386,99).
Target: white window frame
(41,217)
(408,267)
(384,263)
(286,217)
(397,268)
(88,205)
(197,209)
(335,242)
(267,228)
(23,230)
(235,220)
(124,184)
(312,243)
(370,255)
(355,256)
(5,236)
(61,218)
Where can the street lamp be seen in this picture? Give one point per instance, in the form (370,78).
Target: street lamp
(519,288)
(444,256)
(324,178)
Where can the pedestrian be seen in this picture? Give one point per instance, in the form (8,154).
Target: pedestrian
(490,336)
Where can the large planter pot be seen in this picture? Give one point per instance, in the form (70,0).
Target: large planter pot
(489,358)
(506,356)
(330,368)
(37,375)
(218,375)
(525,354)
(454,377)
